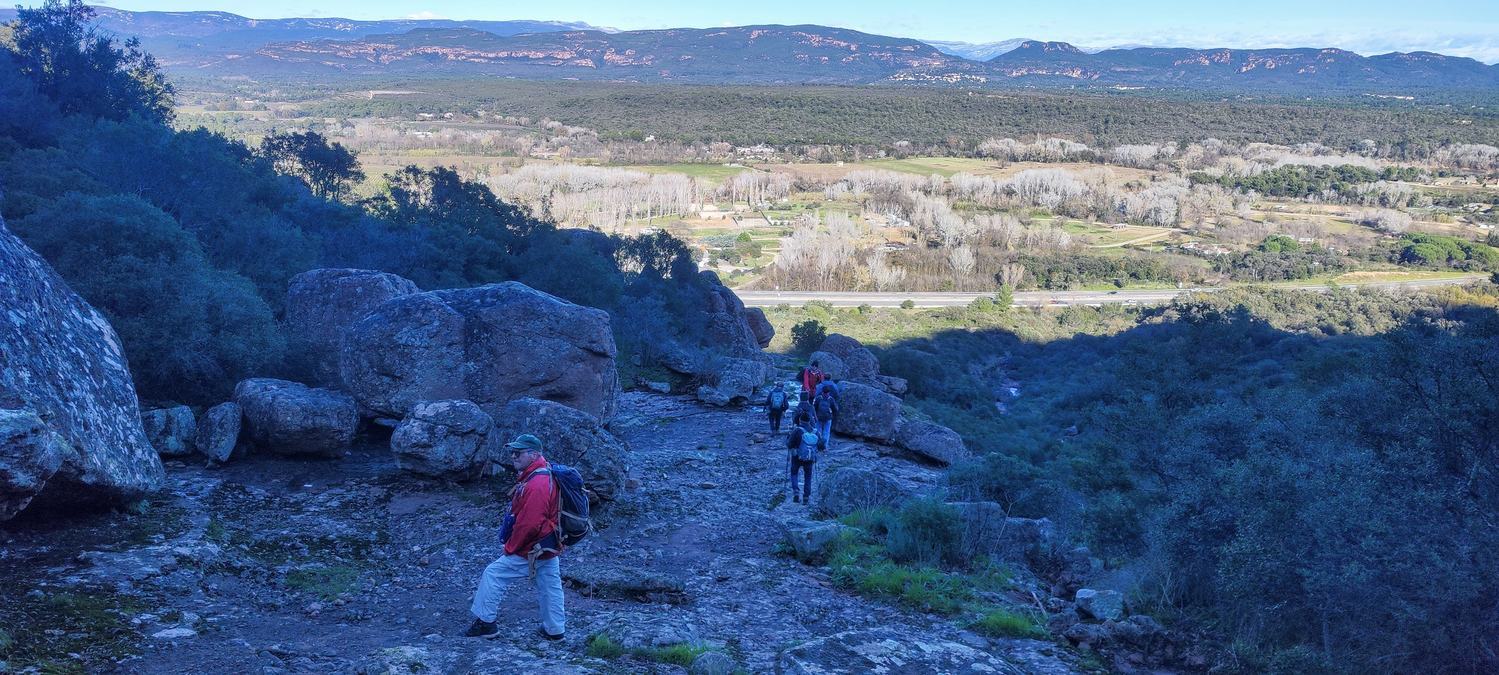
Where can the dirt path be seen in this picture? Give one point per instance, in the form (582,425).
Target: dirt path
(274,566)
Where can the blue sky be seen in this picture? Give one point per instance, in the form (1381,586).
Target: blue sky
(1461,28)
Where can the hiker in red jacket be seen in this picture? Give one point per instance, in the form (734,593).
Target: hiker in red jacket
(810,377)
(531,545)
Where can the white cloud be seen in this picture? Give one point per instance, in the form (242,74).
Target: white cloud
(425,15)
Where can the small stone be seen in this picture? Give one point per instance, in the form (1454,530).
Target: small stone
(174,633)
(713,663)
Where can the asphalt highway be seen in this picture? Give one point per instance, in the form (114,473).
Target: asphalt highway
(1040,298)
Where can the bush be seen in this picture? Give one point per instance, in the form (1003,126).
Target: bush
(908,304)
(807,336)
(926,532)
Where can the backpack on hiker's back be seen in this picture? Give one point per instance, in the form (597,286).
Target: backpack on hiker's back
(778,400)
(803,446)
(826,406)
(574,523)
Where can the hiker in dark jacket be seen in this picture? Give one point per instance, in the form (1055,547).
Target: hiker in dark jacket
(829,385)
(776,403)
(826,408)
(803,445)
(806,414)
(531,545)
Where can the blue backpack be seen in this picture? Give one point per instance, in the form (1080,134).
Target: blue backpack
(574,525)
(778,400)
(824,407)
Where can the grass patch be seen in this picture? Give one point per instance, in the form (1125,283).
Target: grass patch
(326,582)
(601,646)
(1001,622)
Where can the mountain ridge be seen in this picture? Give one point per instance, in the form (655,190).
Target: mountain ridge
(220,43)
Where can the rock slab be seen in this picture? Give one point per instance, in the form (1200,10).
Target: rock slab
(288,418)
(887,650)
(1100,605)
(866,412)
(847,490)
(30,453)
(63,363)
(170,430)
(321,304)
(490,345)
(931,441)
(218,431)
(453,439)
(735,382)
(572,437)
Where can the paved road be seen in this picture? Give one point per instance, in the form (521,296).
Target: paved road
(1036,298)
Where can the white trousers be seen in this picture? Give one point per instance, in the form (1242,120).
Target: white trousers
(500,574)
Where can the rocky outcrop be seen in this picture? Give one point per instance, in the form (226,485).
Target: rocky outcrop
(170,430)
(759,326)
(63,365)
(452,439)
(735,382)
(725,326)
(812,542)
(888,650)
(859,364)
(988,532)
(218,431)
(490,345)
(1100,605)
(866,412)
(830,365)
(847,490)
(569,436)
(287,418)
(931,441)
(321,304)
(30,453)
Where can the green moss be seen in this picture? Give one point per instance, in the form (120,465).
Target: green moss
(326,582)
(600,646)
(70,632)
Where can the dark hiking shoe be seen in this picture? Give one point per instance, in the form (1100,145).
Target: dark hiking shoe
(549,636)
(483,629)
(795,499)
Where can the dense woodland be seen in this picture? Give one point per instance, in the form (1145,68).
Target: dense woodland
(927,119)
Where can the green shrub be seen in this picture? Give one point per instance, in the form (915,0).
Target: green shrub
(908,304)
(807,336)
(926,532)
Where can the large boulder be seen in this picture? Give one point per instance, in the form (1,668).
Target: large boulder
(490,345)
(988,531)
(866,412)
(812,542)
(321,304)
(885,649)
(1100,605)
(735,382)
(288,418)
(218,431)
(931,441)
(830,365)
(453,439)
(847,490)
(860,364)
(725,327)
(30,453)
(170,430)
(62,364)
(569,436)
(759,326)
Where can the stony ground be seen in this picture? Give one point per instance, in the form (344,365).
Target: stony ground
(272,566)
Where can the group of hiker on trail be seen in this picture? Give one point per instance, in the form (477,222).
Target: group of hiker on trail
(548,508)
(812,424)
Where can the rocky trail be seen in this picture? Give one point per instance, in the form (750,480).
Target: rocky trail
(273,565)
